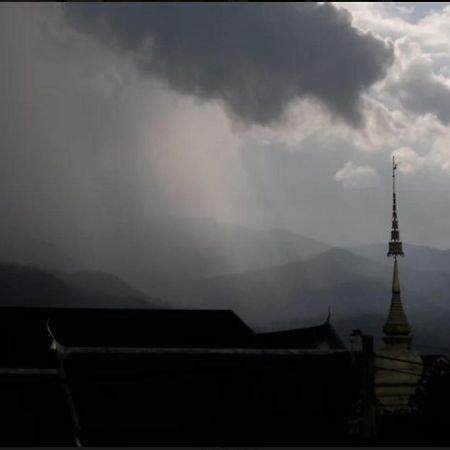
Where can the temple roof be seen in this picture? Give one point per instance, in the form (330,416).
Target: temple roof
(311,337)
(150,328)
(27,332)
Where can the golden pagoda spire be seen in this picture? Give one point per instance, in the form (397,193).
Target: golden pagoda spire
(396,324)
(398,366)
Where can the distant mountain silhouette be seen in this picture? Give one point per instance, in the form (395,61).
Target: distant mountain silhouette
(29,286)
(272,278)
(356,288)
(417,257)
(304,289)
(162,255)
(34,252)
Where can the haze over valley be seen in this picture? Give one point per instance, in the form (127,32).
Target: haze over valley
(274,279)
(233,156)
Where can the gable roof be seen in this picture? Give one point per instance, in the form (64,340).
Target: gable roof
(150,328)
(28,328)
(308,338)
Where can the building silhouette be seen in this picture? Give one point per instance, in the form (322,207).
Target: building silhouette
(174,377)
(168,377)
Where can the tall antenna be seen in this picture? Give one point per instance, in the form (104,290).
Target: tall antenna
(395,244)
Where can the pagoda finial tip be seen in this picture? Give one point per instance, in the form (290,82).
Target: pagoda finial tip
(395,245)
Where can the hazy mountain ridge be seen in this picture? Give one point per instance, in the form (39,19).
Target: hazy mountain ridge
(418,257)
(336,270)
(303,289)
(34,252)
(185,252)
(22,285)
(273,278)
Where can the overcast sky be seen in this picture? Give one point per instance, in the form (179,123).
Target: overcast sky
(267,115)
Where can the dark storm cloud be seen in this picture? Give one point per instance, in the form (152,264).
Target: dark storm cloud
(256,58)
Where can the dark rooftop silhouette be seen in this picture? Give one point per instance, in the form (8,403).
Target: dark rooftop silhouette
(321,336)
(180,377)
(177,377)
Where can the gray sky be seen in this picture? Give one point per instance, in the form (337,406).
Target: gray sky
(262,115)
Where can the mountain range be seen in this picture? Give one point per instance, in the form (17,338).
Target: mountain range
(22,285)
(273,279)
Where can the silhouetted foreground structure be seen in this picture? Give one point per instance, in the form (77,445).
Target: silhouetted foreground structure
(155,377)
(181,377)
